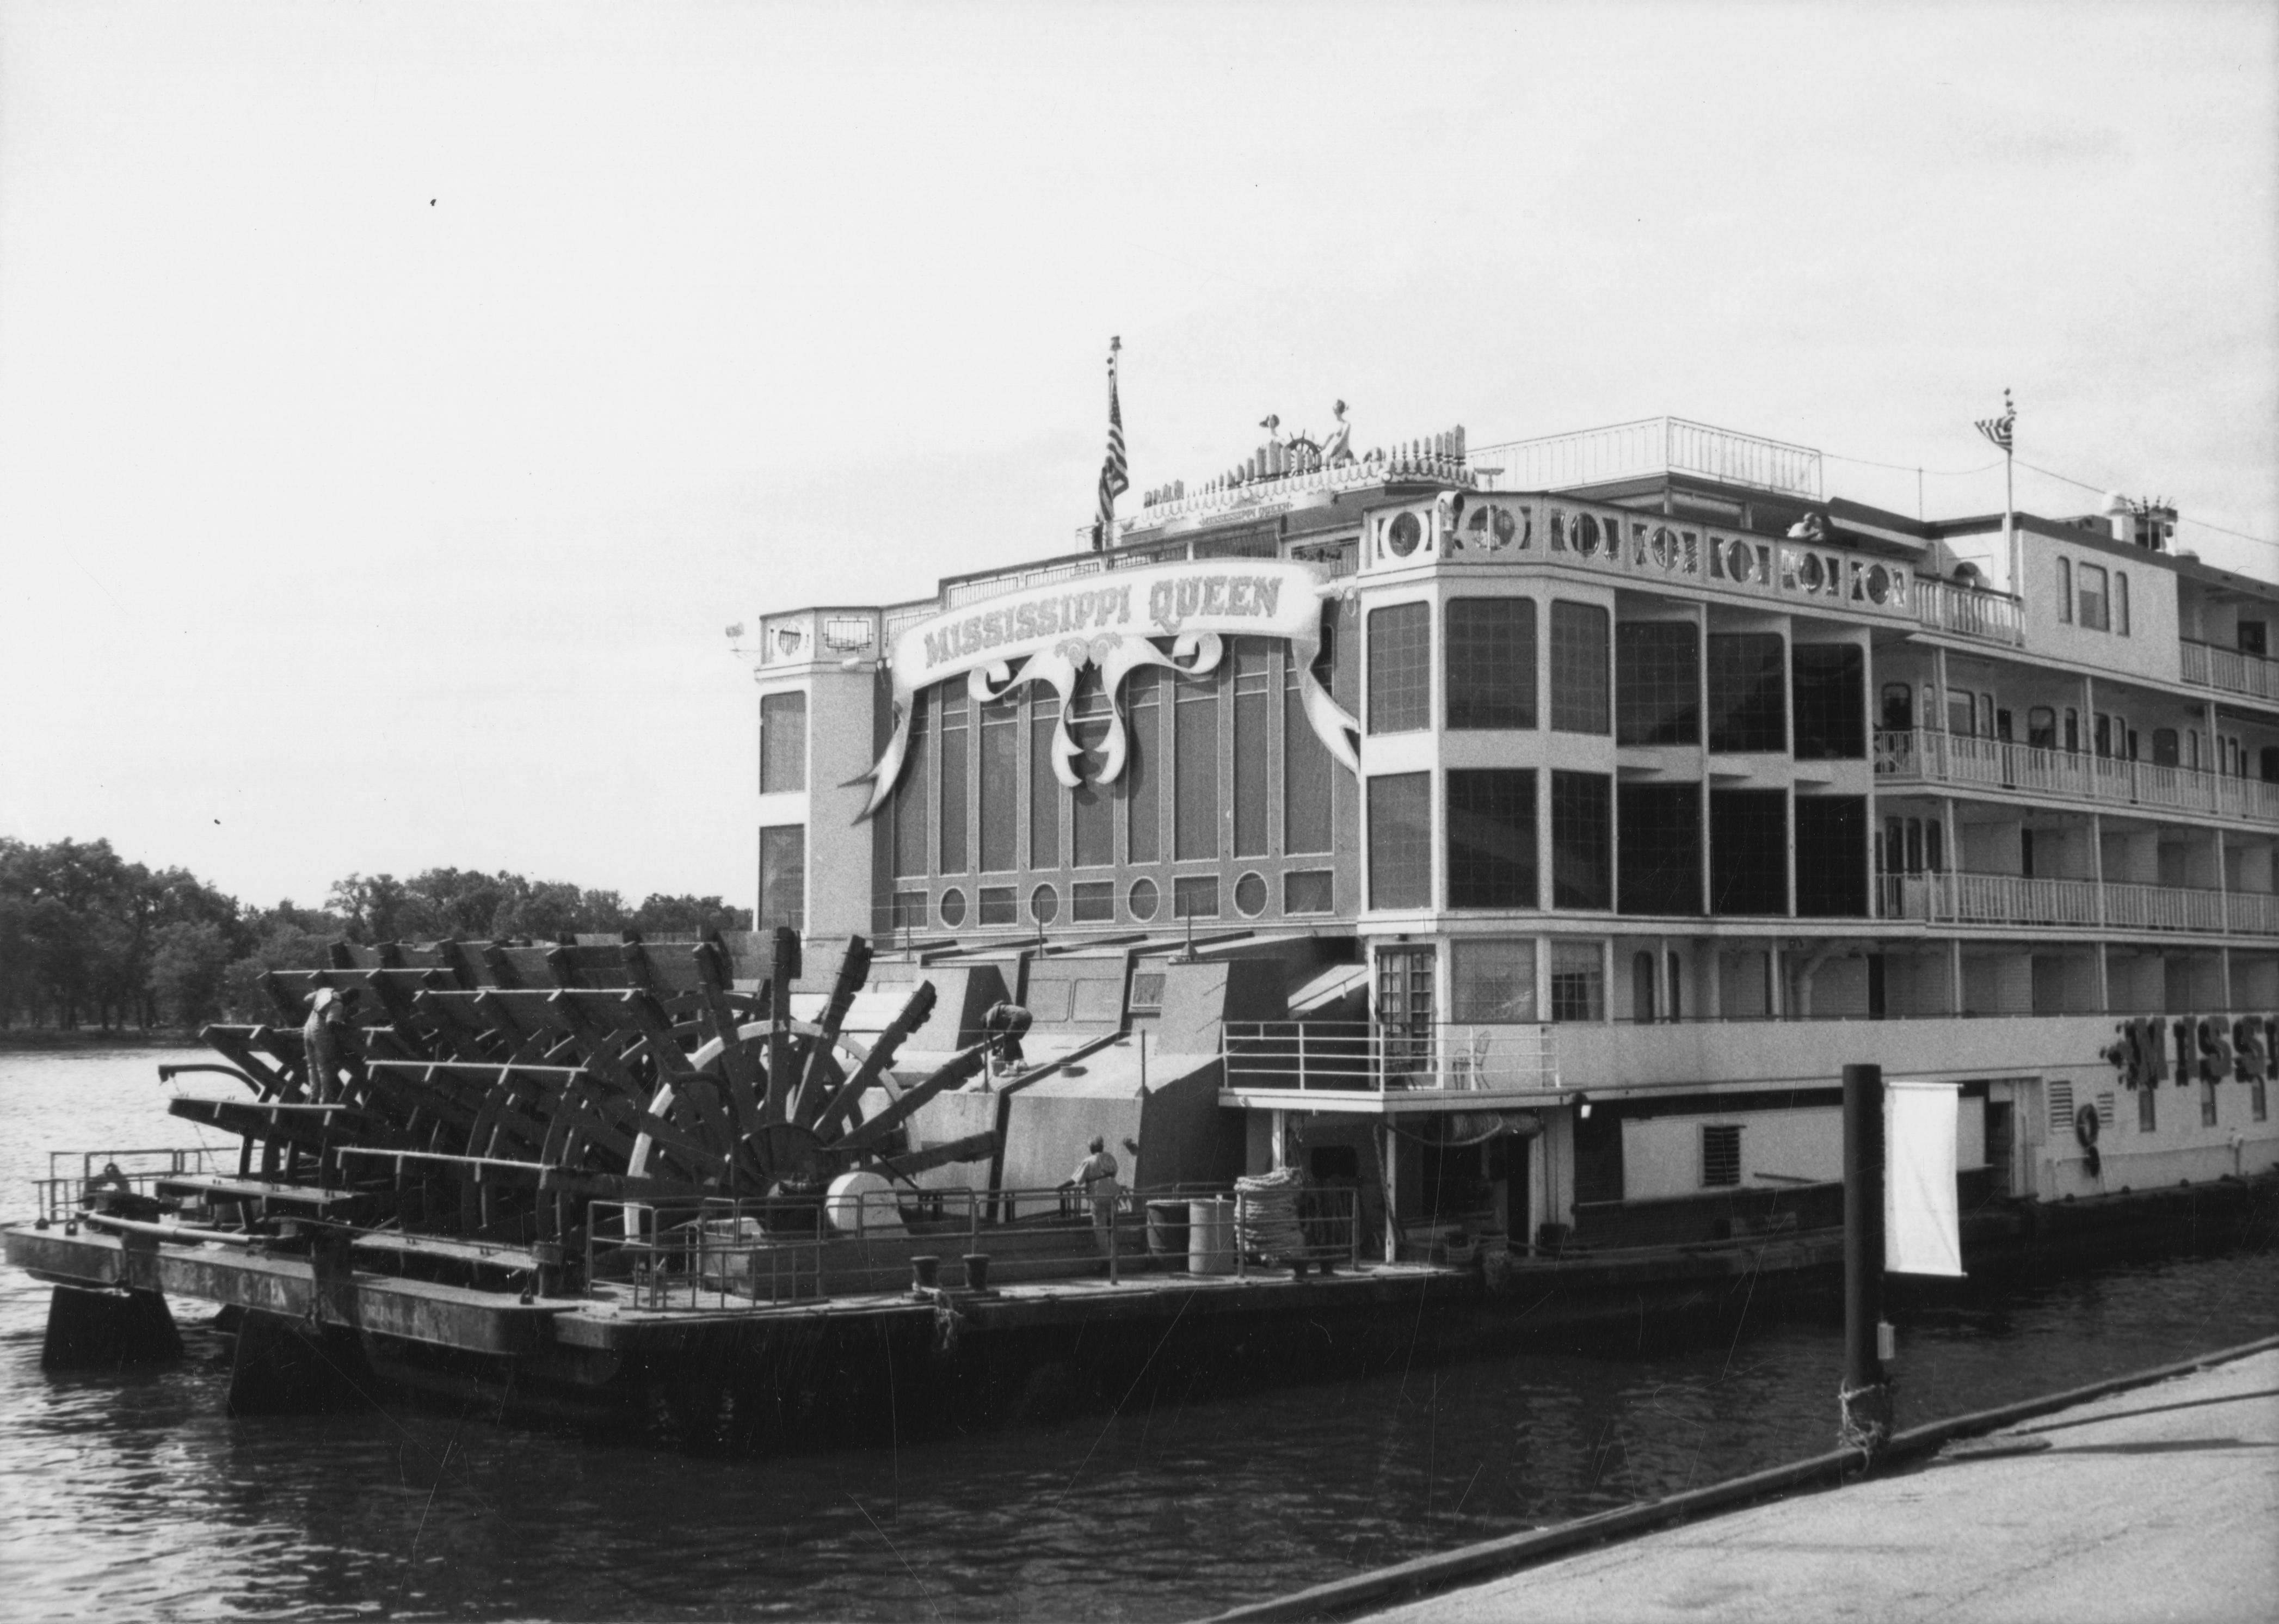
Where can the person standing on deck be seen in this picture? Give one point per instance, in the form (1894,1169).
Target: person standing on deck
(1094,1179)
(321,1036)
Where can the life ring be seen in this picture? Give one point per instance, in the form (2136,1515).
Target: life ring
(2085,1126)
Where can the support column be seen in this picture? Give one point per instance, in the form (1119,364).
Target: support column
(1864,1401)
(1388,1162)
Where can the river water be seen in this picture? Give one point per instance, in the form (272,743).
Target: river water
(137,1497)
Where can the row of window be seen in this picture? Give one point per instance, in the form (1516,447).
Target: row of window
(1199,779)
(2093,598)
(1193,897)
(1631,848)
(1753,692)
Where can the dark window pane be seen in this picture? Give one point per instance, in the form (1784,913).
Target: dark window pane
(783,877)
(1491,662)
(1657,682)
(1312,892)
(1582,840)
(1195,897)
(1578,667)
(1401,841)
(1195,790)
(1492,839)
(909,910)
(1659,830)
(1400,668)
(1831,691)
(1305,781)
(1045,794)
(1140,788)
(1253,748)
(1748,696)
(783,743)
(954,847)
(1092,901)
(1831,856)
(911,830)
(1000,785)
(998,906)
(1748,851)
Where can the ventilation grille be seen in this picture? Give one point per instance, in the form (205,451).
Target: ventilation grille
(2061,1107)
(2105,1110)
(1721,1155)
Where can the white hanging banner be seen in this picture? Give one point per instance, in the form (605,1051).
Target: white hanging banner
(1922,1226)
(1109,619)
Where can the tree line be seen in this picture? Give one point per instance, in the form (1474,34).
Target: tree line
(89,939)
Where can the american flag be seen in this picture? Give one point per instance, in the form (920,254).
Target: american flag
(1999,429)
(1114,472)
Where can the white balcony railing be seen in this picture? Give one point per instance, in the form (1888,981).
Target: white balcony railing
(1361,1055)
(1958,898)
(2211,666)
(1972,612)
(1650,445)
(1925,755)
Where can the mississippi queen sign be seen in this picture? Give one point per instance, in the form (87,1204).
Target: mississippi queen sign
(1171,615)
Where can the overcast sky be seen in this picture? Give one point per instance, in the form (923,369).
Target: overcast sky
(396,402)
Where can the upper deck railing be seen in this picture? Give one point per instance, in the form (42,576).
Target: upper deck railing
(1648,446)
(1972,611)
(1373,1057)
(2214,666)
(1925,755)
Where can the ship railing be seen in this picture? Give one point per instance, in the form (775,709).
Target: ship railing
(76,1177)
(1962,897)
(1971,612)
(1456,1056)
(723,1253)
(1649,445)
(1928,755)
(2211,665)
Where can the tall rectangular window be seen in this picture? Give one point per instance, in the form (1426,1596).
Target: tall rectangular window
(1748,693)
(1657,682)
(1579,980)
(1748,851)
(1401,841)
(783,743)
(1491,662)
(1195,809)
(2121,603)
(955,848)
(1492,838)
(1305,782)
(783,877)
(1092,823)
(1140,787)
(1000,785)
(1831,698)
(1582,840)
(911,833)
(1578,668)
(1400,668)
(1044,788)
(2065,592)
(1658,829)
(1831,856)
(2095,617)
(1254,745)
(1492,981)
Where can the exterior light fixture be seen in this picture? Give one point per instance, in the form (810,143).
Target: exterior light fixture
(1582,1106)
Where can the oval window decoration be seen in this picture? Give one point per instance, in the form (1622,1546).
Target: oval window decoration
(1403,534)
(1739,562)
(1507,528)
(1250,896)
(1665,547)
(1814,576)
(1141,899)
(953,907)
(1558,531)
(1879,584)
(1044,902)
(1586,535)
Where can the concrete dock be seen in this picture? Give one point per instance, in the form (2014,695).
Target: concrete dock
(2159,1501)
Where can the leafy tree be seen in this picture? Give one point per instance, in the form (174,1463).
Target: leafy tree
(660,915)
(188,963)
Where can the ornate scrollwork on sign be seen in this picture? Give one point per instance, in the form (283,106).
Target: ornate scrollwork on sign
(1114,625)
